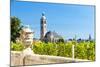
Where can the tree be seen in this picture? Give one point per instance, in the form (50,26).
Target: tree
(61,40)
(15,28)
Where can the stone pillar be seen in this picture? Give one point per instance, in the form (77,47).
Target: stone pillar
(73,52)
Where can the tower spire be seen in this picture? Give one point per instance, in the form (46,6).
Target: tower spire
(89,37)
(43,26)
(43,13)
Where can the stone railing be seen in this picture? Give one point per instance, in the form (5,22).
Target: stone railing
(17,59)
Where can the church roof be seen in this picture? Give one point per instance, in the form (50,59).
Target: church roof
(54,34)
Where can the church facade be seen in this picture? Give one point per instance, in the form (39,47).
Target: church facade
(47,36)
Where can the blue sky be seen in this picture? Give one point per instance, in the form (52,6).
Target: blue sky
(66,19)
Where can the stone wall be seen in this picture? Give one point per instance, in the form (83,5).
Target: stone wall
(17,59)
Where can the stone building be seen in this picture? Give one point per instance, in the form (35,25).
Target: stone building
(52,37)
(43,26)
(47,36)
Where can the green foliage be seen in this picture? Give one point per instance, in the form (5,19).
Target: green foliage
(80,51)
(61,40)
(45,48)
(91,51)
(15,28)
(61,49)
(68,49)
(17,46)
(83,50)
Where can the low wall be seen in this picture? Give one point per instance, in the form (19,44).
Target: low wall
(17,59)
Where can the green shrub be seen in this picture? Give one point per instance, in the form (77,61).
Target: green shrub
(17,46)
(83,50)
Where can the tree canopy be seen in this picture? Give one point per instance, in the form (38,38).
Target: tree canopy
(15,28)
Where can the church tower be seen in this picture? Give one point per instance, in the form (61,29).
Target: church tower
(43,26)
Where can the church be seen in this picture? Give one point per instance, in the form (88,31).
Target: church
(47,36)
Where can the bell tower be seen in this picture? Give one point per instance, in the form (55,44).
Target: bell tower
(43,26)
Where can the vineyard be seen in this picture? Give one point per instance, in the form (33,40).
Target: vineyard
(83,50)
